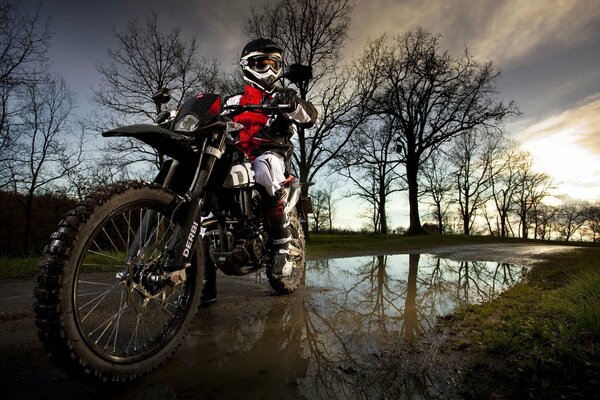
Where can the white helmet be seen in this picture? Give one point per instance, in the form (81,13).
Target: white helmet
(262,63)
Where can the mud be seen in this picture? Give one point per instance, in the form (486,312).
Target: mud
(361,328)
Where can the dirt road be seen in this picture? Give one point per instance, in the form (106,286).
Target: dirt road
(335,338)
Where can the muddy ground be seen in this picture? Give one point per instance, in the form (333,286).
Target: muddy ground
(252,344)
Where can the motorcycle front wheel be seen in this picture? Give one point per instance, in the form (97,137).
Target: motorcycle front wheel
(104,304)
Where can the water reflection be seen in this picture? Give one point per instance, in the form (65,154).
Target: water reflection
(402,295)
(327,341)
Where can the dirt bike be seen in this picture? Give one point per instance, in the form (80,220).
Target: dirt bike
(122,277)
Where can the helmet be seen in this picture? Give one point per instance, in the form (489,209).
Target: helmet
(262,63)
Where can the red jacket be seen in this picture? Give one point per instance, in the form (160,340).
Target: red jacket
(262,132)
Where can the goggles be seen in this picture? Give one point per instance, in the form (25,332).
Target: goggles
(263,62)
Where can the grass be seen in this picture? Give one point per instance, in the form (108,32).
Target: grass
(14,268)
(543,335)
(322,245)
(17,268)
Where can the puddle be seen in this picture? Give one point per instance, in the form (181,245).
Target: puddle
(401,295)
(333,339)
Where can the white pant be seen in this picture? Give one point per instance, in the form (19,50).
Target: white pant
(269,171)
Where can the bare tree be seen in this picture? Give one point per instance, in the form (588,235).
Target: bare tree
(472,155)
(593,220)
(24,41)
(321,214)
(431,96)
(532,188)
(437,184)
(44,155)
(340,117)
(94,171)
(312,33)
(545,220)
(505,182)
(570,218)
(370,162)
(145,61)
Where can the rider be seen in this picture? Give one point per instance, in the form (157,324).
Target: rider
(266,141)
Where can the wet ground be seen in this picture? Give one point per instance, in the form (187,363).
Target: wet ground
(361,328)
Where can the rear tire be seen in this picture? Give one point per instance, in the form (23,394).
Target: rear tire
(100,306)
(288,284)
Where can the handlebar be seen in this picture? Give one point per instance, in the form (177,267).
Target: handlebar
(262,107)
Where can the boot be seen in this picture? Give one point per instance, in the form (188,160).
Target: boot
(282,264)
(282,261)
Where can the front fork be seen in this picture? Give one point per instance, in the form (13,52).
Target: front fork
(188,208)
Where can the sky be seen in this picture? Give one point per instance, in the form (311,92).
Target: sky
(548,52)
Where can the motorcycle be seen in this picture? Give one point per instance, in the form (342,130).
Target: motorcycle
(121,279)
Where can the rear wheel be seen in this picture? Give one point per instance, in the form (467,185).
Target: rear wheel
(103,301)
(287,284)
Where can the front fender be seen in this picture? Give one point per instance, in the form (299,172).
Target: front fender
(171,143)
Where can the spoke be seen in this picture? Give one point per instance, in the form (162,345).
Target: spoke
(101,297)
(126,244)
(161,240)
(88,294)
(162,317)
(150,235)
(110,240)
(130,230)
(96,283)
(169,312)
(141,227)
(108,323)
(105,255)
(134,335)
(103,265)
(129,226)
(115,330)
(146,331)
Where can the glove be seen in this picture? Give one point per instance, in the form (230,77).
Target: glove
(286,96)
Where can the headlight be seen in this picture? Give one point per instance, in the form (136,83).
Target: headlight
(187,123)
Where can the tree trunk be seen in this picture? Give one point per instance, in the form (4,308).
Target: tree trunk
(465,217)
(503,232)
(411,319)
(524,229)
(382,214)
(330,216)
(28,211)
(440,220)
(412,168)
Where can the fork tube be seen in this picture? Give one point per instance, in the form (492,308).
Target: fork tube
(189,223)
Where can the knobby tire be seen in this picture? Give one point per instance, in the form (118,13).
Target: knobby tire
(88,271)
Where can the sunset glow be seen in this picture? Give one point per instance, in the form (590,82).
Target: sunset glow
(566,148)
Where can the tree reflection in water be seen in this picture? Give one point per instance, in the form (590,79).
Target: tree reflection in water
(381,301)
(402,295)
(331,343)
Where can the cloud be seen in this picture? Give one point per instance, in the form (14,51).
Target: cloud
(502,31)
(582,122)
(517,28)
(567,147)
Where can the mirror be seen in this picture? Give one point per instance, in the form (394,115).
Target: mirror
(298,73)
(162,96)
